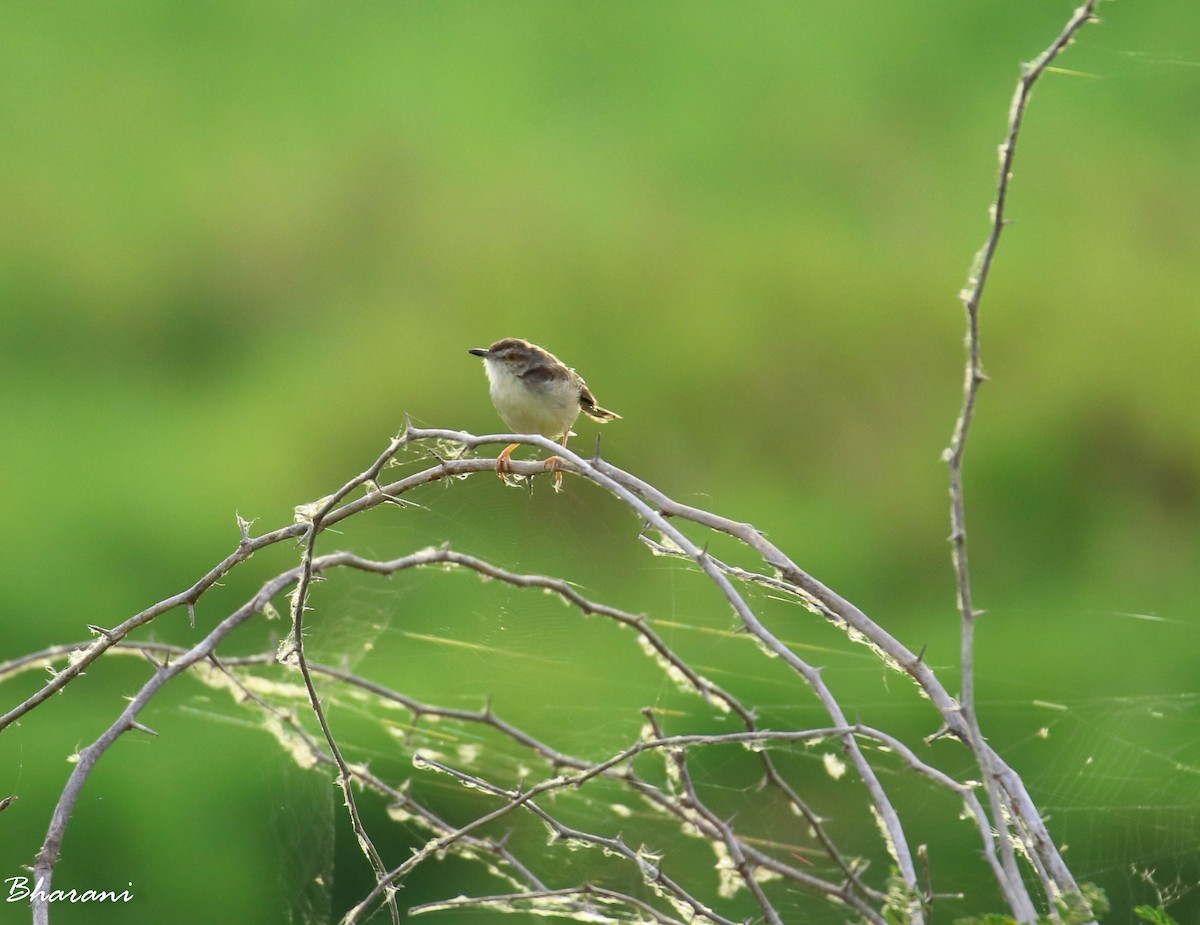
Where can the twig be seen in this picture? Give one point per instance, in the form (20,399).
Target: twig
(1008,806)
(43,867)
(299,602)
(971,296)
(578,897)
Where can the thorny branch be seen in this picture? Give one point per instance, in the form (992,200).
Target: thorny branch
(971,296)
(566,772)
(1004,791)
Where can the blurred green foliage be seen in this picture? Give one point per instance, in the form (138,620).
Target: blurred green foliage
(243,240)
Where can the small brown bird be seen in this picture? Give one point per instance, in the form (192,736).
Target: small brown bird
(536,393)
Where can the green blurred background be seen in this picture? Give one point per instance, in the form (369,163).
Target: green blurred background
(242,241)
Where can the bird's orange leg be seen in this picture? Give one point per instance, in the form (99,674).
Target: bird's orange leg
(554,464)
(502,464)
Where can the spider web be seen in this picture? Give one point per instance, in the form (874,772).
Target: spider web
(1119,779)
(1115,774)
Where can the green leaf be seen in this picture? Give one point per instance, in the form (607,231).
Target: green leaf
(1156,916)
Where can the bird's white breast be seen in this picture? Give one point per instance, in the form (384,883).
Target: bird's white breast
(546,408)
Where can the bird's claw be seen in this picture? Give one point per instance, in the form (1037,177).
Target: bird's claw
(554,464)
(503,463)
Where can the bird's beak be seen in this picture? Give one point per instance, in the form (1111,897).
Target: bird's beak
(478,351)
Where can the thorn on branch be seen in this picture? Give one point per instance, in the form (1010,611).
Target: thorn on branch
(923,855)
(391,499)
(134,724)
(945,732)
(244,529)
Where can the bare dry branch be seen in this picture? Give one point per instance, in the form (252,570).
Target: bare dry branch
(748,859)
(1007,803)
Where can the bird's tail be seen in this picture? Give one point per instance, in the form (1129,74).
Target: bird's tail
(596,413)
